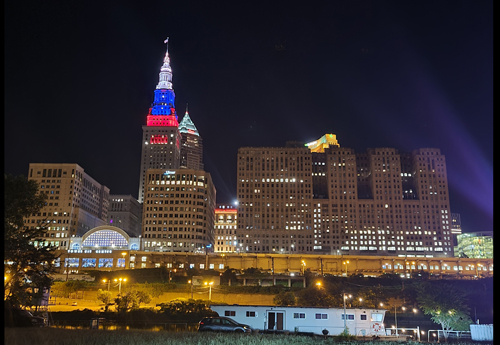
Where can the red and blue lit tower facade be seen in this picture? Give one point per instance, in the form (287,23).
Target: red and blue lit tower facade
(161,136)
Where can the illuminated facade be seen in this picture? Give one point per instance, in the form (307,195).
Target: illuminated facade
(191,144)
(104,247)
(477,245)
(108,259)
(323,143)
(76,202)
(225,240)
(161,137)
(178,211)
(380,202)
(125,213)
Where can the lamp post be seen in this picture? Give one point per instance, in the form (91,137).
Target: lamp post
(66,264)
(210,290)
(345,324)
(191,281)
(120,284)
(108,281)
(396,319)
(346,263)
(303,265)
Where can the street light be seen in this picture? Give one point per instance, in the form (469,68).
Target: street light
(108,281)
(346,263)
(396,317)
(303,265)
(344,298)
(191,281)
(209,291)
(120,284)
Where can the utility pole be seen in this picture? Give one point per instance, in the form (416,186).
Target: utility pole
(396,319)
(66,263)
(272,265)
(345,325)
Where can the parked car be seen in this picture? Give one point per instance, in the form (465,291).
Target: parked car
(15,317)
(222,324)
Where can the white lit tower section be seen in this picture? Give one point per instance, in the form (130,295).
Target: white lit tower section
(161,137)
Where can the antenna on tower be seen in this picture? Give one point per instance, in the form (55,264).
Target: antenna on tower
(166,41)
(186,108)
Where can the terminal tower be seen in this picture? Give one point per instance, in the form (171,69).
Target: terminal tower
(161,139)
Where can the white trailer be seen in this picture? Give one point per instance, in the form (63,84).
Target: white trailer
(358,321)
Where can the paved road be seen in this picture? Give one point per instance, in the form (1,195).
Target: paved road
(66,304)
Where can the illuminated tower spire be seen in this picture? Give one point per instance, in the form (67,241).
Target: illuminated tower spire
(161,139)
(165,72)
(187,125)
(162,111)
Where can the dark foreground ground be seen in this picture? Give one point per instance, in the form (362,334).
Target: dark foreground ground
(58,336)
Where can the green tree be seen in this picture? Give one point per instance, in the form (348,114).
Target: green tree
(105,297)
(446,304)
(155,289)
(420,275)
(190,309)
(131,300)
(64,289)
(315,296)
(28,260)
(142,297)
(229,275)
(285,298)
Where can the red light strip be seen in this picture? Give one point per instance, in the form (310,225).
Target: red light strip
(162,120)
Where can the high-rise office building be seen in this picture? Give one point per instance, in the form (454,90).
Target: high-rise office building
(335,201)
(191,144)
(178,211)
(161,137)
(125,212)
(75,204)
(225,240)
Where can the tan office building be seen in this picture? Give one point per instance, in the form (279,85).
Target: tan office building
(225,240)
(335,201)
(125,212)
(178,211)
(76,202)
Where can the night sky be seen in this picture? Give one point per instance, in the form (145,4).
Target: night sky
(79,80)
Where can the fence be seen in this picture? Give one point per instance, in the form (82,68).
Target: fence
(438,335)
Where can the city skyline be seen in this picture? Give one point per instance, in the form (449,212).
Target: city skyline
(375,74)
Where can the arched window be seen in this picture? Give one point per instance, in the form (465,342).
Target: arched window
(134,246)
(105,238)
(75,246)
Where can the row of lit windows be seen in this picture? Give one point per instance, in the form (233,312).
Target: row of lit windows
(444,267)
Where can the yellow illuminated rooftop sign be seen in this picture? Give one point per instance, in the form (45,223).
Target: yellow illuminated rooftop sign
(323,143)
